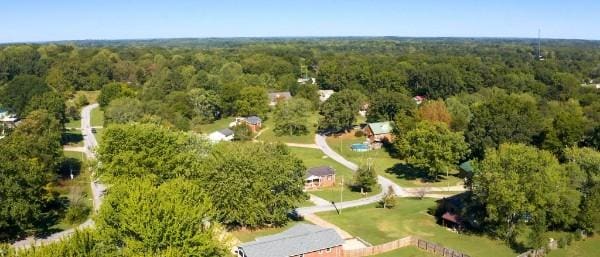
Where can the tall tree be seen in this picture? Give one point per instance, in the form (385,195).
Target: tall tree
(291,117)
(339,111)
(252,101)
(433,147)
(584,173)
(253,184)
(18,93)
(434,111)
(144,219)
(519,185)
(385,105)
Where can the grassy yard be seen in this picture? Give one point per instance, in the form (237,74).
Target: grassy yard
(97,118)
(218,124)
(92,96)
(385,165)
(249,235)
(269,134)
(80,184)
(583,248)
(313,158)
(73,124)
(410,217)
(406,252)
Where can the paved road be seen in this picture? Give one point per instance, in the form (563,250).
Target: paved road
(384,183)
(89,142)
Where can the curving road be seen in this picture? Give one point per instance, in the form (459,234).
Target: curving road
(90,143)
(384,183)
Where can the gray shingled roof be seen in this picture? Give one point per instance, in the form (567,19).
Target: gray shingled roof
(321,171)
(302,238)
(226,132)
(253,120)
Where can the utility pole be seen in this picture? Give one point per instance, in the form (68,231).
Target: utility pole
(341,195)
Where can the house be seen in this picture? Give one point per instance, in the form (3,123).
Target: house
(419,99)
(8,119)
(253,122)
(379,132)
(305,80)
(277,97)
(305,240)
(318,177)
(325,94)
(221,135)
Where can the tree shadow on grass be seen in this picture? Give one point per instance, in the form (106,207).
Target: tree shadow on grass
(409,172)
(71,137)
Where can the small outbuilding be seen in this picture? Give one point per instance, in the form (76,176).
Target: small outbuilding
(221,135)
(319,177)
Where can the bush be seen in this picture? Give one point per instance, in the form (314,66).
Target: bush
(359,133)
(76,213)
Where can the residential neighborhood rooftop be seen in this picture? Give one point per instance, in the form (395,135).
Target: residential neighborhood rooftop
(381,127)
(253,120)
(300,239)
(226,131)
(321,171)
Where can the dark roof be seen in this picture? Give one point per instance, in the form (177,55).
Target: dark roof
(321,171)
(467,166)
(226,131)
(302,238)
(253,120)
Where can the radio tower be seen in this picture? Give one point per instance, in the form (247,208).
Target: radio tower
(539,48)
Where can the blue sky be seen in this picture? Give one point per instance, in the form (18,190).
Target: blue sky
(28,20)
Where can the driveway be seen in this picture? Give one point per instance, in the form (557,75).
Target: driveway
(89,144)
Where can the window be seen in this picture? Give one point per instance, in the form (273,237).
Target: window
(328,250)
(320,251)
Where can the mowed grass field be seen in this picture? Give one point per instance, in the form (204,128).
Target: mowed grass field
(384,164)
(584,248)
(407,252)
(269,134)
(313,158)
(410,217)
(97,119)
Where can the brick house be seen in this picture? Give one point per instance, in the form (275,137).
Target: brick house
(253,122)
(302,240)
(379,132)
(318,177)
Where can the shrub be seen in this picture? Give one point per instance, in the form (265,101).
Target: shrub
(359,133)
(76,213)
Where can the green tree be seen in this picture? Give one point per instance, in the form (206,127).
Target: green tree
(309,92)
(254,184)
(365,179)
(142,218)
(433,147)
(386,104)
(50,101)
(461,114)
(149,150)
(291,117)
(585,176)
(389,199)
(18,93)
(503,118)
(520,185)
(112,91)
(123,110)
(206,104)
(252,101)
(339,111)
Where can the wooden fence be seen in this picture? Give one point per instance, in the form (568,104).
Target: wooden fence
(403,242)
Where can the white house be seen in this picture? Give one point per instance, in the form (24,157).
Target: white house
(221,135)
(325,94)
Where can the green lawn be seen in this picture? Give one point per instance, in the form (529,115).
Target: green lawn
(407,252)
(218,124)
(73,124)
(269,134)
(583,248)
(410,217)
(384,164)
(80,183)
(249,235)
(97,117)
(313,158)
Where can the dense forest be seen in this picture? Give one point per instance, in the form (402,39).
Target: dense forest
(526,123)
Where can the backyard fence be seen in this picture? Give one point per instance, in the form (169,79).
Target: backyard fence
(403,242)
